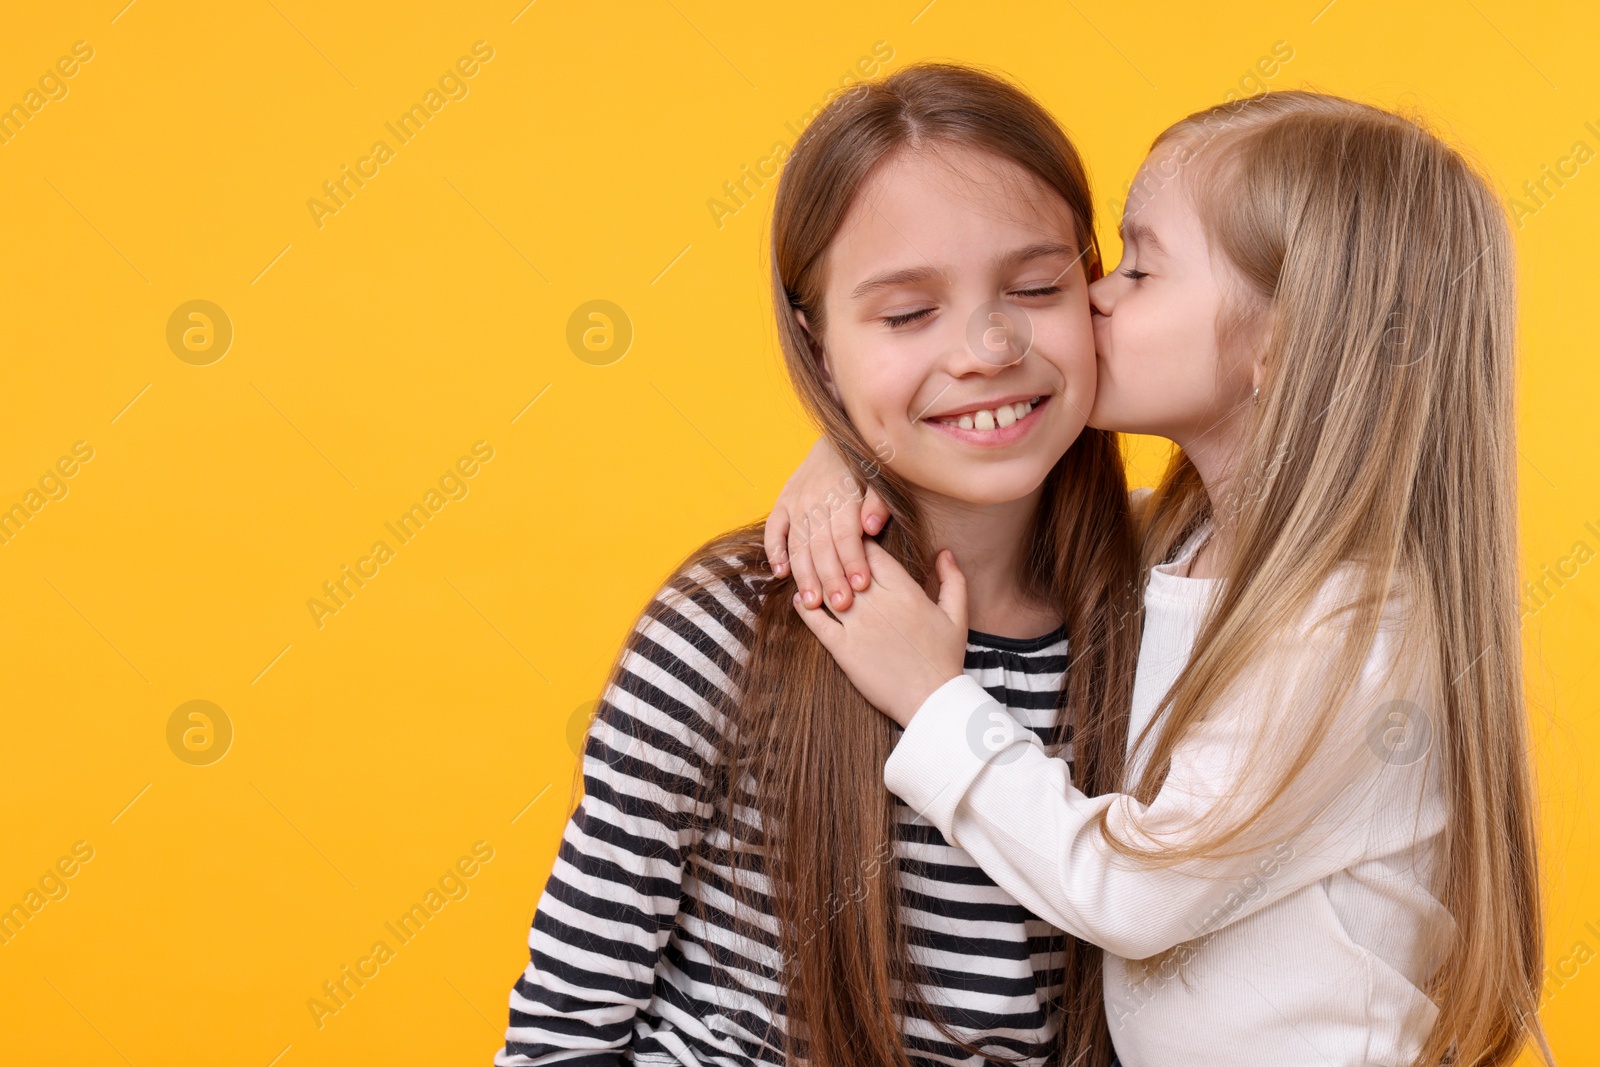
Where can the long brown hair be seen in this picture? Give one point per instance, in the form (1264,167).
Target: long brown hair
(1380,263)
(801,746)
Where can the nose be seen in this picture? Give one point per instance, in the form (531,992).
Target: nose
(1100,295)
(996,336)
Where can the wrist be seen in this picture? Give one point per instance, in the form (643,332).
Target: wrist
(917,696)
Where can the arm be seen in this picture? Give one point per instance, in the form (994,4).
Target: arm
(817,526)
(612,897)
(1019,815)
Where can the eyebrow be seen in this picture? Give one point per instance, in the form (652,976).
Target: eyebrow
(915,275)
(1140,233)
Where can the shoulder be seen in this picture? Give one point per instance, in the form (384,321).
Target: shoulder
(675,675)
(706,612)
(1398,657)
(1352,588)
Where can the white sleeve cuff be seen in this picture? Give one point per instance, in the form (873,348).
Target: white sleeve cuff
(956,732)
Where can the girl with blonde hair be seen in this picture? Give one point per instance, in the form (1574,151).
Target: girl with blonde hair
(1324,847)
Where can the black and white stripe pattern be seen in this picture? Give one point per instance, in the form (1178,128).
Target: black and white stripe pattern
(632,958)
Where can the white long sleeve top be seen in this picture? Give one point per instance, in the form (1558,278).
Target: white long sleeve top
(1312,948)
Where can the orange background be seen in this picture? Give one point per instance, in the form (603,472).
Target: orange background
(372,749)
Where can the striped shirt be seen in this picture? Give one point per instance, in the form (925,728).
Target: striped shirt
(633,958)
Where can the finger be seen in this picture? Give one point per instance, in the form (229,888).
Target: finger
(847,543)
(805,575)
(775,538)
(886,570)
(952,589)
(828,630)
(874,513)
(825,560)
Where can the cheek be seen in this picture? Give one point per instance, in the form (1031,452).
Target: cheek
(1156,338)
(1138,331)
(1064,337)
(876,383)
(1079,348)
(1159,373)
(1072,371)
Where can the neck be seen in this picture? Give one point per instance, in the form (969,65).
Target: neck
(1212,453)
(989,542)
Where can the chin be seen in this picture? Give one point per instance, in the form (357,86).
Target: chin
(985,490)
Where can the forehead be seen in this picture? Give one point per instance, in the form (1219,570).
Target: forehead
(1161,199)
(944,199)
(1155,182)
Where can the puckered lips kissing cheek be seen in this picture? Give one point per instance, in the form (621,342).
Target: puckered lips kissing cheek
(990,422)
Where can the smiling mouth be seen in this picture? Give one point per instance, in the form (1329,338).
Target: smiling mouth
(985,419)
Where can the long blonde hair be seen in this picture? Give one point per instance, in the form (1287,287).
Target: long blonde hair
(802,747)
(1380,265)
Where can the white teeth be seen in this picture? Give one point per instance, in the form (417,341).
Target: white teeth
(1002,416)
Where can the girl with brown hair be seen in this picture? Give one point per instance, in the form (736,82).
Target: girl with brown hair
(737,886)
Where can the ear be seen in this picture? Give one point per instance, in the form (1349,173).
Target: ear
(1258,365)
(819,353)
(805,328)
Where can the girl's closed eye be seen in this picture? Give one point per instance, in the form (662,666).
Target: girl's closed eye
(909,317)
(895,321)
(1129,272)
